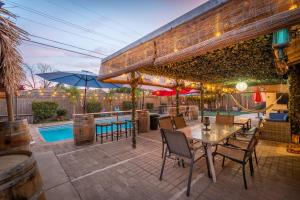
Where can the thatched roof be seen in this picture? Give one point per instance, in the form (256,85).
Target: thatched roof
(11,72)
(201,45)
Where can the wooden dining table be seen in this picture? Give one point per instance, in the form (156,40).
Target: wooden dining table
(215,135)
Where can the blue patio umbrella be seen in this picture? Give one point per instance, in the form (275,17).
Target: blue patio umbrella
(84,79)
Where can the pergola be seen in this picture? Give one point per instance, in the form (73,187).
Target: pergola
(220,42)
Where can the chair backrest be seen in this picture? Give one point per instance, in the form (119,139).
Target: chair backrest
(165,123)
(177,143)
(224,119)
(253,142)
(179,122)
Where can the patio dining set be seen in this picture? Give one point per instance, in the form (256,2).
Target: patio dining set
(231,139)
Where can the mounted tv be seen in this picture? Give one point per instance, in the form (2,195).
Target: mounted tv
(284,99)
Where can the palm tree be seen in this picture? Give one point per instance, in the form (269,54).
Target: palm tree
(11,72)
(110,96)
(74,95)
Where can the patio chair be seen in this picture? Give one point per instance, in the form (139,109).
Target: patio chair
(165,123)
(179,121)
(238,154)
(242,139)
(225,119)
(179,146)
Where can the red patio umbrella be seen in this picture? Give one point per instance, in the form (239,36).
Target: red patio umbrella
(171,93)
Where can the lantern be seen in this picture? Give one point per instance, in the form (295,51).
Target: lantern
(241,86)
(281,39)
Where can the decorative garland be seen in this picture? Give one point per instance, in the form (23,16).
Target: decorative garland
(294,98)
(247,60)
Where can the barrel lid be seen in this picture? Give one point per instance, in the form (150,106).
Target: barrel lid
(12,162)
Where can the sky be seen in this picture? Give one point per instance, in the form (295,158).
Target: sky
(100,26)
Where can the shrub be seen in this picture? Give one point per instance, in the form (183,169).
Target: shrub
(127,105)
(61,112)
(149,106)
(43,110)
(93,106)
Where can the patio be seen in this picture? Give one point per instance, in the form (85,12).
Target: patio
(116,171)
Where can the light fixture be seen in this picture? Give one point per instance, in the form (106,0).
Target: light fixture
(241,86)
(218,34)
(292,7)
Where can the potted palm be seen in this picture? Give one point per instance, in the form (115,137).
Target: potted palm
(11,74)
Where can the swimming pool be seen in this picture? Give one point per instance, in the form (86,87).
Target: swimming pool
(65,131)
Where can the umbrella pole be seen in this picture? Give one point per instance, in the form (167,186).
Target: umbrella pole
(201,103)
(177,98)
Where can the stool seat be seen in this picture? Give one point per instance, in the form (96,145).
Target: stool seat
(119,122)
(103,124)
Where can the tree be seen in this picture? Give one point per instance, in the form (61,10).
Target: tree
(32,81)
(110,96)
(74,95)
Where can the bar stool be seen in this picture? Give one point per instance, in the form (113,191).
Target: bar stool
(102,125)
(128,128)
(119,130)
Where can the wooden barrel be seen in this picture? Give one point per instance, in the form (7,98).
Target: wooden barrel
(14,135)
(144,121)
(19,176)
(84,129)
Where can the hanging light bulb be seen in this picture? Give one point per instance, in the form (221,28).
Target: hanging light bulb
(241,86)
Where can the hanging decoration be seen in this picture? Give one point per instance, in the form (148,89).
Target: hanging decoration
(241,86)
(257,96)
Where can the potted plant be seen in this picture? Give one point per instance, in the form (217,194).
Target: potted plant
(11,75)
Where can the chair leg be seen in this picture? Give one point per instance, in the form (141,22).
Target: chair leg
(106,135)
(244,177)
(112,132)
(251,166)
(96,133)
(255,157)
(223,161)
(162,150)
(207,162)
(190,178)
(163,166)
(101,136)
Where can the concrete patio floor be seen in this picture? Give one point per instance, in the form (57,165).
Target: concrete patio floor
(116,171)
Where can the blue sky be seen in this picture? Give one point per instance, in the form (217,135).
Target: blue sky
(104,26)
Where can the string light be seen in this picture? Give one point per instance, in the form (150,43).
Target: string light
(292,7)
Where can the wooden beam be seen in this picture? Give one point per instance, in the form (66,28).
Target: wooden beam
(140,83)
(250,31)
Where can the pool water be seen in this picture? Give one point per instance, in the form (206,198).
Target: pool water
(65,131)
